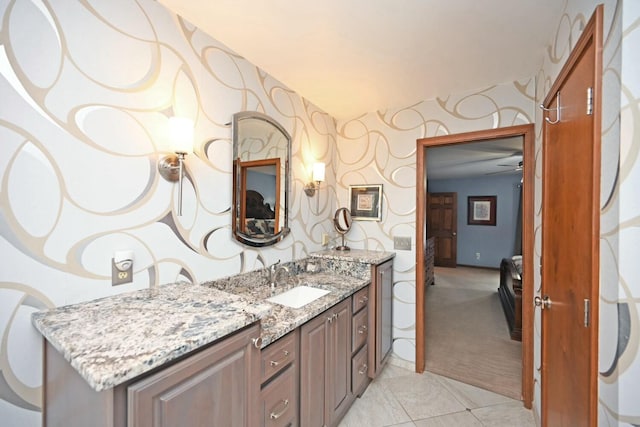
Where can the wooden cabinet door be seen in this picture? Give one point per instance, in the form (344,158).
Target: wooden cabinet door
(339,395)
(218,386)
(380,316)
(325,367)
(313,368)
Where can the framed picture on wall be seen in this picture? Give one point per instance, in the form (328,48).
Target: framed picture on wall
(366,202)
(481,210)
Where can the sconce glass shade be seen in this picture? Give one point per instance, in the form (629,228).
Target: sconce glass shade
(181,134)
(318,172)
(171,167)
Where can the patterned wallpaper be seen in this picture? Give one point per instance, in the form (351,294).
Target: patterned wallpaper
(85,100)
(86,89)
(380,148)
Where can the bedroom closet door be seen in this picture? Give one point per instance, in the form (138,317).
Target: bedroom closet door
(570,236)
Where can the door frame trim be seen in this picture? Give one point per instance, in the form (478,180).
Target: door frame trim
(528,134)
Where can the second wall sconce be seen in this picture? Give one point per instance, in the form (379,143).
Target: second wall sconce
(317,176)
(171,167)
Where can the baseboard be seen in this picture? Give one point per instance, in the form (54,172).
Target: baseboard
(481,267)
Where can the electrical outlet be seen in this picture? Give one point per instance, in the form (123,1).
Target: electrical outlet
(120,277)
(477,255)
(325,239)
(402,243)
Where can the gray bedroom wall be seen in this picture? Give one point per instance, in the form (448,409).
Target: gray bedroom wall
(492,242)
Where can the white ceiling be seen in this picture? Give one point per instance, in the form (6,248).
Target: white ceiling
(477,159)
(350,57)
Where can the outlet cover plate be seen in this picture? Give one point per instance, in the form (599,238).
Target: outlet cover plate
(402,243)
(120,277)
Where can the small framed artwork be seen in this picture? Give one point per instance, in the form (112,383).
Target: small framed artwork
(481,210)
(366,202)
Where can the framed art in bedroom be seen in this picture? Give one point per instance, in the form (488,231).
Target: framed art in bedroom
(481,210)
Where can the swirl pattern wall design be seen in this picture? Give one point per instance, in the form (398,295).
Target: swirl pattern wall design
(86,91)
(380,148)
(87,88)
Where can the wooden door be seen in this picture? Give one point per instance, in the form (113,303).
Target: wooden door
(442,214)
(570,221)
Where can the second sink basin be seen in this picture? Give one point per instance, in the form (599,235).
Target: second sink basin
(298,296)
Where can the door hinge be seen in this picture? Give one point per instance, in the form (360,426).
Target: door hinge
(589,101)
(587,312)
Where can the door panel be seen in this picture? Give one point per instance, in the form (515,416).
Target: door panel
(442,224)
(570,218)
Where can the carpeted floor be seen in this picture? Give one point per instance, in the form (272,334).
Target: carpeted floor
(466,332)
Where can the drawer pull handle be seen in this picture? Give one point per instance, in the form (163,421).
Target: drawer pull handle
(362,329)
(363,369)
(257,342)
(363,300)
(285,406)
(278,362)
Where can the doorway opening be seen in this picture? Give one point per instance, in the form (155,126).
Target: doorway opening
(525,133)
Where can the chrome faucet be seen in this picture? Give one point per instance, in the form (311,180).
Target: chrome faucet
(274,271)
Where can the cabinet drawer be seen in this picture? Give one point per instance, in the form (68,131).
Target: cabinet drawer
(279,404)
(278,355)
(359,369)
(359,330)
(360,299)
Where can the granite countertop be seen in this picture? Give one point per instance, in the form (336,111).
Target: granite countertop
(114,339)
(283,320)
(355,255)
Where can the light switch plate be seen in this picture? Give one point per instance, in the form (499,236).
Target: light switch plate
(402,243)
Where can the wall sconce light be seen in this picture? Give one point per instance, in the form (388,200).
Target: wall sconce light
(171,167)
(317,176)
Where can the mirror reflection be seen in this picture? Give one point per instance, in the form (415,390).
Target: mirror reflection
(261,152)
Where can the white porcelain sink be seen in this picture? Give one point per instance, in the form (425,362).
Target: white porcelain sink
(298,296)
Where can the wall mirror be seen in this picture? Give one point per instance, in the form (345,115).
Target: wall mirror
(261,158)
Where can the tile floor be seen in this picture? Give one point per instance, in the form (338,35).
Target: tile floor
(402,398)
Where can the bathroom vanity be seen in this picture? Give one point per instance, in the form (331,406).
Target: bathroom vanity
(218,353)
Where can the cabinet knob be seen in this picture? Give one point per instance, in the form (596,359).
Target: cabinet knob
(257,342)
